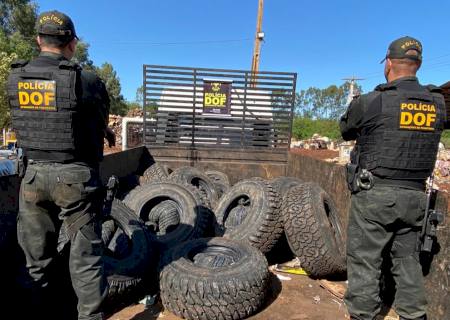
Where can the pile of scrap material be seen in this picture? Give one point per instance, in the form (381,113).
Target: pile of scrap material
(315,143)
(115,123)
(442,167)
(133,113)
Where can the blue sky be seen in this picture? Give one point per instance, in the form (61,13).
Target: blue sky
(323,41)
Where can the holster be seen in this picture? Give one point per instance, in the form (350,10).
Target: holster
(352,175)
(20,165)
(70,227)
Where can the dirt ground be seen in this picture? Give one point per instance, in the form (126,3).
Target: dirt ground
(318,154)
(297,298)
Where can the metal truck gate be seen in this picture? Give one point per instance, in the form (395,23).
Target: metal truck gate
(259,116)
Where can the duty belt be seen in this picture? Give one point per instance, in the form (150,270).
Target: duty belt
(410,184)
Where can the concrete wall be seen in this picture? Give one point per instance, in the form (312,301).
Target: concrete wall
(331,178)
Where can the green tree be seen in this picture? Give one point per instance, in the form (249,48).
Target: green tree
(81,56)
(17,41)
(107,73)
(305,128)
(328,103)
(5,62)
(140,95)
(18,16)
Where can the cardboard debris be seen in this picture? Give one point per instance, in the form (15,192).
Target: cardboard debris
(316,142)
(387,313)
(283,278)
(335,288)
(135,113)
(115,123)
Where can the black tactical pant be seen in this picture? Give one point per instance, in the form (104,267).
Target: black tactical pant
(50,193)
(385,219)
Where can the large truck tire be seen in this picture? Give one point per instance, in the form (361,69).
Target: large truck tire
(109,228)
(130,254)
(192,214)
(156,172)
(281,250)
(250,211)
(283,184)
(198,179)
(313,230)
(220,180)
(213,278)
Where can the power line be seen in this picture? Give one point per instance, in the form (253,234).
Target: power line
(170,43)
(427,67)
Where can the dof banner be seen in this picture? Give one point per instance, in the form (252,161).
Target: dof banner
(216,97)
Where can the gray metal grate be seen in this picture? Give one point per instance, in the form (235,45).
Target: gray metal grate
(260,113)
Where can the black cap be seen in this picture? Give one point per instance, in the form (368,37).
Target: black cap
(398,48)
(55,23)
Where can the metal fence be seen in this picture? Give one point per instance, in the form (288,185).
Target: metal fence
(259,113)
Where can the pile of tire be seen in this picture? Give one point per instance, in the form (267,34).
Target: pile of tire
(215,236)
(130,258)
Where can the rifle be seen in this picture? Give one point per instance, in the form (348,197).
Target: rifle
(430,221)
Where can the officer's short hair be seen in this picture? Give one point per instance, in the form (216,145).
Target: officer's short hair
(407,61)
(55,41)
(406,65)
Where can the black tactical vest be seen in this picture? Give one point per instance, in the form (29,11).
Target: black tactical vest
(406,136)
(44,109)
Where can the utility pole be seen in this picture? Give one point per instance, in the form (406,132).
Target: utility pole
(259,37)
(352,92)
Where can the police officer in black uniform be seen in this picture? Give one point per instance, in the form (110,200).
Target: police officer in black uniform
(397,128)
(60,113)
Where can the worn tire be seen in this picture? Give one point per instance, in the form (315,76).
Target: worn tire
(261,224)
(156,172)
(127,269)
(283,184)
(108,230)
(229,280)
(220,181)
(198,179)
(194,217)
(163,217)
(313,230)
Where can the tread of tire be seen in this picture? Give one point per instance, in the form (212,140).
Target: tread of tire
(271,226)
(123,278)
(179,176)
(215,298)
(156,172)
(204,218)
(304,235)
